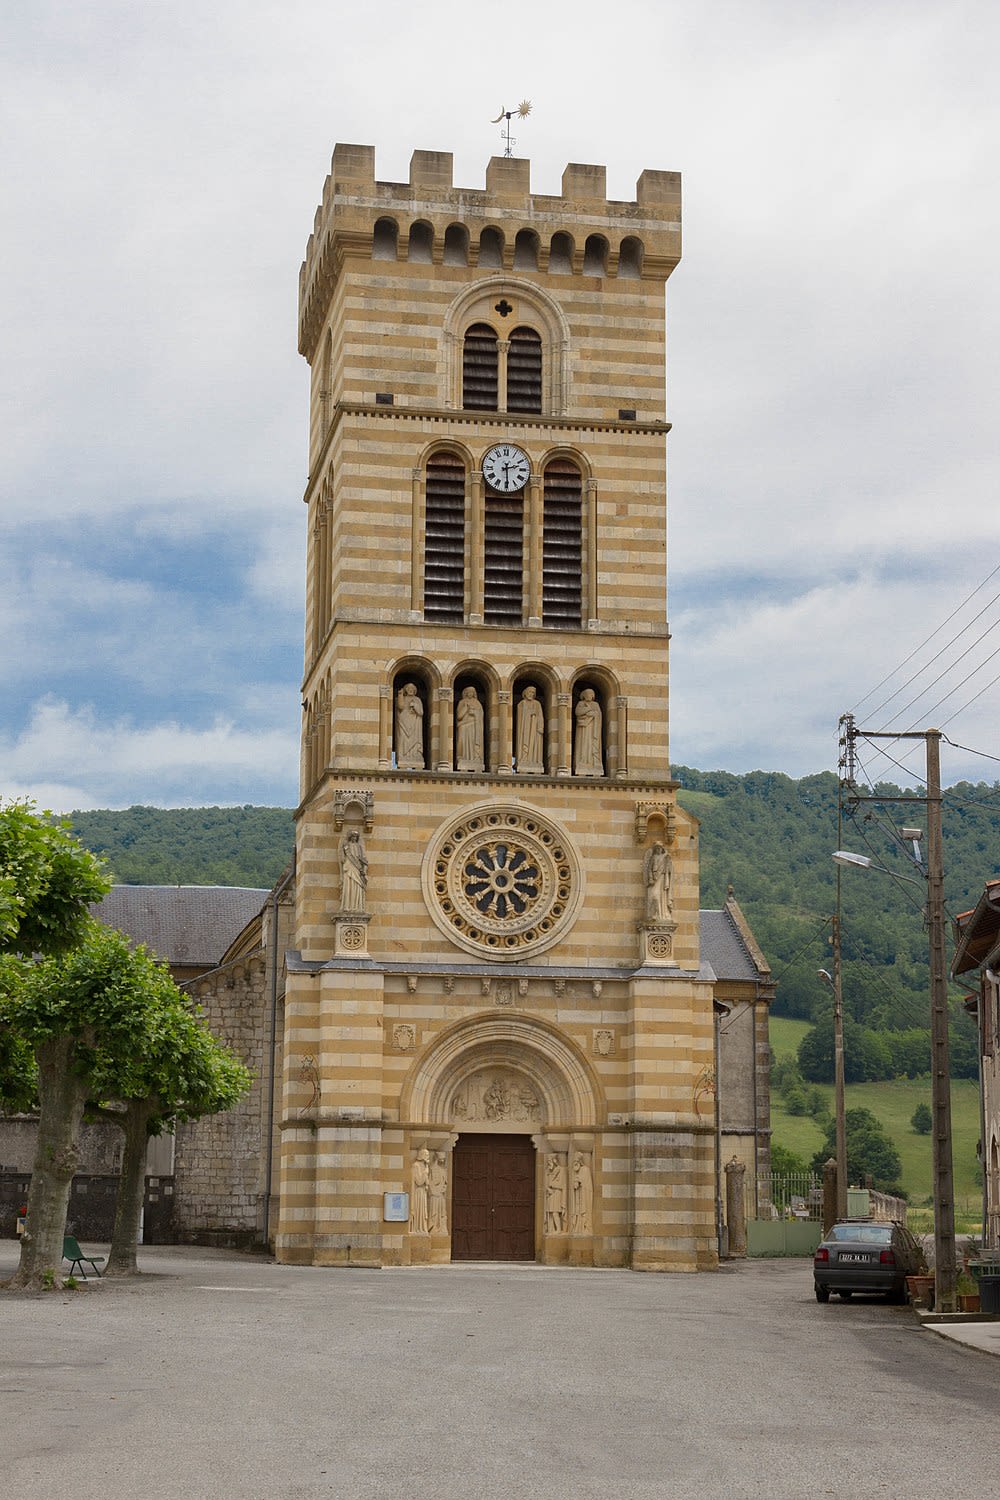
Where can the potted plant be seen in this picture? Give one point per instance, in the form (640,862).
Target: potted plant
(967,1290)
(920,1290)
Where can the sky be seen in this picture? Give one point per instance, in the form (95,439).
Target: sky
(832,371)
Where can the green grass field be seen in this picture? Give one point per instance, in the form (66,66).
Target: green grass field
(893,1104)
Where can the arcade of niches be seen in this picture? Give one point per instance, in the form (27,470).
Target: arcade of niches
(499,1037)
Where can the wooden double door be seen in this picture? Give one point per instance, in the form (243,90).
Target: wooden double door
(493,1198)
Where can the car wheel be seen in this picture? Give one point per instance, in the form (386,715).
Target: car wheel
(845,1296)
(898,1294)
(822,1293)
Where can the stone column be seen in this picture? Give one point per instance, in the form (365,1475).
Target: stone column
(416,542)
(590,542)
(535,502)
(444,730)
(504,766)
(564,707)
(621,723)
(736,1213)
(503,349)
(384,728)
(477,560)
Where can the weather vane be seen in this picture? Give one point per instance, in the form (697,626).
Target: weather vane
(523,111)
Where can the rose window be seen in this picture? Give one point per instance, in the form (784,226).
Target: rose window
(502,880)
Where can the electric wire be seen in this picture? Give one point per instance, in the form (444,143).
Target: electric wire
(938,654)
(951,691)
(937,629)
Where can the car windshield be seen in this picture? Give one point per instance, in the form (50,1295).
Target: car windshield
(865,1234)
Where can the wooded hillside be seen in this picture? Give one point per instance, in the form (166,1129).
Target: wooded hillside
(769,836)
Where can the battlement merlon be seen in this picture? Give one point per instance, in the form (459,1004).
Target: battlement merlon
(353,200)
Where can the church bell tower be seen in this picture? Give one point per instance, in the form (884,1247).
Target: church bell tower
(498,1037)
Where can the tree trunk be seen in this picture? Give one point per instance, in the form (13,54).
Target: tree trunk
(61,1098)
(131,1187)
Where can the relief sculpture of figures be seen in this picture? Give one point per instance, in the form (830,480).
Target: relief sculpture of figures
(409,728)
(658,874)
(353,872)
(583,1195)
(437,1194)
(555,1193)
(419,1181)
(530,732)
(588,759)
(469,731)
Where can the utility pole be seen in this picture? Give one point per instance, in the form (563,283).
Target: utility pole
(838,1065)
(944,1184)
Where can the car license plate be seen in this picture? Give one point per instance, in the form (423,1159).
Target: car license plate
(853,1255)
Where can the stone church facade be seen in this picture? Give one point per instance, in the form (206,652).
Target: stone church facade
(499,1034)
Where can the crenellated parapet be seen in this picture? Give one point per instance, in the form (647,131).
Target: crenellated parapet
(504,227)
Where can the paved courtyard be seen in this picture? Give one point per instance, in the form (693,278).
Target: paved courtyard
(223,1375)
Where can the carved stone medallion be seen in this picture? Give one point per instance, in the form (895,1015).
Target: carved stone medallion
(502,880)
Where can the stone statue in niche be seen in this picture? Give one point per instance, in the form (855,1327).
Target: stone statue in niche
(409,728)
(530,732)
(583,1195)
(419,1184)
(588,757)
(555,1193)
(658,876)
(353,871)
(437,1191)
(469,731)
(493,1097)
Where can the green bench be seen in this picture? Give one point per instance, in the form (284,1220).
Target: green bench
(76,1257)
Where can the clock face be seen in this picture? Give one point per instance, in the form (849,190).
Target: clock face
(506,468)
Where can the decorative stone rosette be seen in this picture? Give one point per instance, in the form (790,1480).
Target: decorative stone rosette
(502,881)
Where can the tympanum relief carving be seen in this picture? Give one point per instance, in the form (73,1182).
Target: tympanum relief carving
(494,1096)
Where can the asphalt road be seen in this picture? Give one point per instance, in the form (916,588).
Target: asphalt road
(220,1375)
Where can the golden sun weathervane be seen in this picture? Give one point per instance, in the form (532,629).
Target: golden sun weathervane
(523,111)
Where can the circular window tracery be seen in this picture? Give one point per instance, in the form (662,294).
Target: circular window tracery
(502,881)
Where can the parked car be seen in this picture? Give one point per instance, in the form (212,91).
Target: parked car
(859,1255)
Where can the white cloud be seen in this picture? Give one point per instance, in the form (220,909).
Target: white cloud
(833,328)
(116,764)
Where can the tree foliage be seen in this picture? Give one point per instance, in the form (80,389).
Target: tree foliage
(247,846)
(181,1073)
(47,882)
(870,1152)
(922,1119)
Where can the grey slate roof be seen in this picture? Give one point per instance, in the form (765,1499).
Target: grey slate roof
(723,948)
(182,924)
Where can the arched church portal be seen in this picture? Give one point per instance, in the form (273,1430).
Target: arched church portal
(515,1107)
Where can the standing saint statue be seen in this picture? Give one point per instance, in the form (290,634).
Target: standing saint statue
(555,1193)
(658,874)
(588,759)
(583,1195)
(437,1206)
(469,731)
(409,728)
(530,732)
(353,871)
(419,1179)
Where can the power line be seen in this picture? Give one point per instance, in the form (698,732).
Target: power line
(951,691)
(938,628)
(957,637)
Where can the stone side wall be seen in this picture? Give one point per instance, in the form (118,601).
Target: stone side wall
(218,1164)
